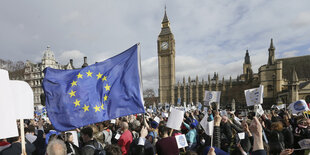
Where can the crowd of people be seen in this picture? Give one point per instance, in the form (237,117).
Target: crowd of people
(276,132)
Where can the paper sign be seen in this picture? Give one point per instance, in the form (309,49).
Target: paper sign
(259,109)
(22,97)
(207,126)
(117,136)
(8,124)
(75,138)
(175,119)
(223,113)
(254,96)
(164,114)
(181,141)
(241,135)
(157,119)
(113,121)
(305,143)
(282,106)
(298,106)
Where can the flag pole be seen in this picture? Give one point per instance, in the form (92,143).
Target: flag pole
(22,133)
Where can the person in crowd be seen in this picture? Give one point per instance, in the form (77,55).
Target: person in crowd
(125,139)
(166,145)
(4,144)
(191,135)
(90,144)
(106,130)
(112,149)
(56,147)
(15,147)
(140,145)
(72,149)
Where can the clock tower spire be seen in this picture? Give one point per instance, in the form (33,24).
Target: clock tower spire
(166,62)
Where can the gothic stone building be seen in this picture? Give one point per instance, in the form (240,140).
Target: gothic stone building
(34,72)
(285,80)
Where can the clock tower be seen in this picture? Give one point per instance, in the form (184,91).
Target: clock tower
(166,62)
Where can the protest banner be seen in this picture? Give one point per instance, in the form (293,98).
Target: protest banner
(241,135)
(181,141)
(212,96)
(164,114)
(298,106)
(254,96)
(157,119)
(175,119)
(9,127)
(179,101)
(304,144)
(207,126)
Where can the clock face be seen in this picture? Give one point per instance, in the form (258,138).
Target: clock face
(164,45)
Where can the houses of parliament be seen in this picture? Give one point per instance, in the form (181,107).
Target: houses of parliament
(285,80)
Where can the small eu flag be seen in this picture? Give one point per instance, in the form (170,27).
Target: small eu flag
(99,92)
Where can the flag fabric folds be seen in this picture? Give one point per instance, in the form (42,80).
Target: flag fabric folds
(298,106)
(99,92)
(254,96)
(212,96)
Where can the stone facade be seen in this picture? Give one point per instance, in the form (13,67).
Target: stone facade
(34,72)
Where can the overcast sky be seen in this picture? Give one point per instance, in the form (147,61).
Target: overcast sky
(211,36)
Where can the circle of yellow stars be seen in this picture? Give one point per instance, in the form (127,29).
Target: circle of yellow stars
(89,74)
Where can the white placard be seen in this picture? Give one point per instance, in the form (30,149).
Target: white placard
(117,136)
(113,121)
(298,106)
(207,126)
(181,141)
(22,97)
(254,96)
(212,96)
(259,109)
(8,124)
(157,119)
(305,143)
(223,113)
(241,135)
(175,119)
(75,138)
(164,114)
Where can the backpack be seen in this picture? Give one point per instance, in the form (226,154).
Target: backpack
(98,150)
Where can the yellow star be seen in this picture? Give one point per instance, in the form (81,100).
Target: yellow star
(97,108)
(85,108)
(102,106)
(89,74)
(107,87)
(77,102)
(80,76)
(72,93)
(99,75)
(105,98)
(73,83)
(104,78)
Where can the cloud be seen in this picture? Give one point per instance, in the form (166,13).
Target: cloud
(76,55)
(302,19)
(210,36)
(290,53)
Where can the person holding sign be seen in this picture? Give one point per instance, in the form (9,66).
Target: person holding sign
(167,144)
(191,135)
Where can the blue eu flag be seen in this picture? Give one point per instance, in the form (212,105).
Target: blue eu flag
(99,92)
